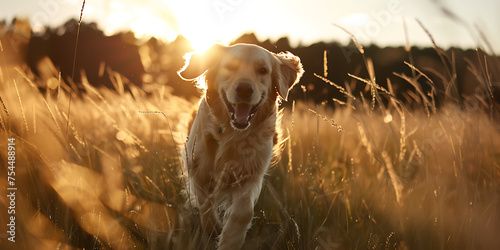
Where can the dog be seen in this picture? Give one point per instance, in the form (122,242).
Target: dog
(234,134)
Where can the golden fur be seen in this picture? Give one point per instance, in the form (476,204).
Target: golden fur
(234,133)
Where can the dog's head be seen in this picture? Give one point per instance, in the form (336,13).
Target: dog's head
(243,77)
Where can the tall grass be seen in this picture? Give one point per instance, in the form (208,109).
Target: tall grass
(371,173)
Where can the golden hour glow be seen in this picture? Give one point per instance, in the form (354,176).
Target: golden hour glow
(122,126)
(201,44)
(356,20)
(143,20)
(166,22)
(153,26)
(207,22)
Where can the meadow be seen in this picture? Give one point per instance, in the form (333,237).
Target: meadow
(99,168)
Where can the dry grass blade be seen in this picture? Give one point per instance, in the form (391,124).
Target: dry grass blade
(21,105)
(373,83)
(290,154)
(91,89)
(76,41)
(420,72)
(485,40)
(428,33)
(52,116)
(172,137)
(3,56)
(433,92)
(58,89)
(343,103)
(365,141)
(396,183)
(341,89)
(402,140)
(479,36)
(293,114)
(74,62)
(325,64)
(449,85)
(353,38)
(100,150)
(407,36)
(4,107)
(452,75)
(75,152)
(485,79)
(100,109)
(478,74)
(488,76)
(3,124)
(75,132)
(376,86)
(395,101)
(26,78)
(116,80)
(324,118)
(407,46)
(135,139)
(34,118)
(419,90)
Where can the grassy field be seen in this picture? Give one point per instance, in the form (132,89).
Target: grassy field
(100,169)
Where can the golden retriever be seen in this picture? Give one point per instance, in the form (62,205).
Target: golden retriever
(234,133)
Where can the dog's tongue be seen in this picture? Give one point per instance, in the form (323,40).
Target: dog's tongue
(241,112)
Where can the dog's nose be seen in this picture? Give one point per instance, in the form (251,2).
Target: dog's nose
(244,91)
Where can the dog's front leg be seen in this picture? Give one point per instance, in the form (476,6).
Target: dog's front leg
(238,217)
(209,220)
(210,223)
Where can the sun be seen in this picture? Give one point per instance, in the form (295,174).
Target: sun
(201,41)
(166,23)
(201,45)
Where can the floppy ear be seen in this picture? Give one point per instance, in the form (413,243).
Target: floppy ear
(196,63)
(289,71)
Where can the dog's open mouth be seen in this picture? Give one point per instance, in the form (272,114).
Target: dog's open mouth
(241,113)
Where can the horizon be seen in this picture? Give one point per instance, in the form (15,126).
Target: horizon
(383,23)
(253,35)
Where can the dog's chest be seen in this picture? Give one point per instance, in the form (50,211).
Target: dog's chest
(237,158)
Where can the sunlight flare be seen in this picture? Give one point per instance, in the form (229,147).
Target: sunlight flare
(153,26)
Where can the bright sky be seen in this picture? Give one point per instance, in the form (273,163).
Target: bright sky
(305,22)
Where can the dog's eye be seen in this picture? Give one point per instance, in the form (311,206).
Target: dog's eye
(231,67)
(262,71)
